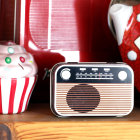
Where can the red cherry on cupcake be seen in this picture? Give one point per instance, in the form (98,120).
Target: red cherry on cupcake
(22,59)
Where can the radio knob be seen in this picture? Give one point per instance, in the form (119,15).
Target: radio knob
(65,74)
(122,75)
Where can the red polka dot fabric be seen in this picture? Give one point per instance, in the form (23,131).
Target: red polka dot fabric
(132,33)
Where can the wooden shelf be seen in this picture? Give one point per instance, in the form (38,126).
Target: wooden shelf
(39,123)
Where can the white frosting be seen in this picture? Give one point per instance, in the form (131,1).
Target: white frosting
(120,14)
(20,64)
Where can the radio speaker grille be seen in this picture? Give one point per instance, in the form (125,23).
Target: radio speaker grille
(93,99)
(83,98)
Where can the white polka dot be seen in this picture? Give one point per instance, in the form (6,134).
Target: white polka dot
(132,55)
(138,17)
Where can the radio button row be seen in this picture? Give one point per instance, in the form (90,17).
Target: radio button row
(122,75)
(95,69)
(107,69)
(83,69)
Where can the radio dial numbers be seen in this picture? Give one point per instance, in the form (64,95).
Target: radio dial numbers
(66,74)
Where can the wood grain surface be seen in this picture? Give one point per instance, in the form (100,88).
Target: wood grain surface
(76,130)
(38,123)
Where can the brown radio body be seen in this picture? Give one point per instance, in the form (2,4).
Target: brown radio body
(92,89)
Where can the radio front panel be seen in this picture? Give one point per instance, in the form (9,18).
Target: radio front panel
(92,90)
(72,74)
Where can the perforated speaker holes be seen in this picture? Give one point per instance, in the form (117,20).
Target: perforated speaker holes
(83,98)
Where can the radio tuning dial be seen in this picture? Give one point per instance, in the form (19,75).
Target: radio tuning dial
(65,74)
(122,75)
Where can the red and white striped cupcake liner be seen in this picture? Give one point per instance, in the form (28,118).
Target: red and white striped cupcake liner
(15,94)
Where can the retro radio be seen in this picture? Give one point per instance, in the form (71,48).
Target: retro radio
(92,89)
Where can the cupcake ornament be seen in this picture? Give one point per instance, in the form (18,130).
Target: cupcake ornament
(18,74)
